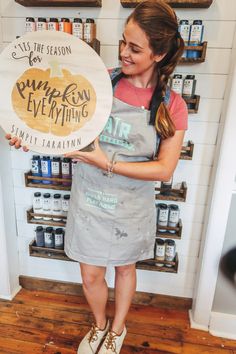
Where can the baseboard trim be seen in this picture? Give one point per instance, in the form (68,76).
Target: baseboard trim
(141,298)
(196,325)
(223,325)
(12,295)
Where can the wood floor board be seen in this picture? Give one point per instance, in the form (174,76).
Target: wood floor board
(38,322)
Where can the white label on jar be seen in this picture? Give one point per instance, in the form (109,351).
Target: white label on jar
(57,204)
(46,204)
(65,205)
(52,26)
(174,216)
(65,167)
(48,238)
(184,31)
(87,32)
(170,253)
(41,26)
(30,26)
(188,87)
(177,85)
(196,34)
(160,251)
(77,29)
(163,217)
(55,167)
(37,203)
(35,166)
(44,166)
(58,240)
(61,26)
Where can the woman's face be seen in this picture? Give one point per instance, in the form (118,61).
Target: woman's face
(136,56)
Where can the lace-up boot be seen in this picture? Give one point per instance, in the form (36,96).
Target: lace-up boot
(92,339)
(113,343)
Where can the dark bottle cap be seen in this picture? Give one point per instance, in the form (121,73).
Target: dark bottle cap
(42,19)
(57,196)
(37,194)
(53,19)
(174,207)
(177,76)
(183,22)
(39,228)
(49,229)
(66,159)
(163,206)
(65,19)
(59,231)
(47,195)
(197,22)
(35,157)
(56,159)
(159,241)
(90,20)
(190,77)
(170,242)
(78,20)
(30,19)
(66,196)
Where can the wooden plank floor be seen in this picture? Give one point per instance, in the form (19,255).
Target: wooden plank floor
(43,322)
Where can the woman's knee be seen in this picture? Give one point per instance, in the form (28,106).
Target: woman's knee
(92,275)
(126,270)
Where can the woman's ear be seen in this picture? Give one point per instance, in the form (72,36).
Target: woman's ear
(159,58)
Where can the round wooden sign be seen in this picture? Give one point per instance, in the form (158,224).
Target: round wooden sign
(56,93)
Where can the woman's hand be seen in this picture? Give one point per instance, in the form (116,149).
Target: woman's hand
(14,141)
(96,157)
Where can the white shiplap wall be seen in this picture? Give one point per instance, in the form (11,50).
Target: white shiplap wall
(220,21)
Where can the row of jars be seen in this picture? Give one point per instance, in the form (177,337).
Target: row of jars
(49,237)
(82,30)
(56,205)
(165,251)
(167,215)
(55,167)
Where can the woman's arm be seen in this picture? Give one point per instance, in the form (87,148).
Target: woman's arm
(158,170)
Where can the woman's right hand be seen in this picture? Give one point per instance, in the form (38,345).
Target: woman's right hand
(14,141)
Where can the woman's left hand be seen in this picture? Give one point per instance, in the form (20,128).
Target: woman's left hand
(96,157)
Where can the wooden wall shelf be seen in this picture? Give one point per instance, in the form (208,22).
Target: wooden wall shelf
(192,104)
(187,151)
(201,48)
(64,3)
(177,195)
(150,264)
(173,3)
(167,234)
(31,219)
(29,183)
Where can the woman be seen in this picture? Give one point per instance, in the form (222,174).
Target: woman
(112,217)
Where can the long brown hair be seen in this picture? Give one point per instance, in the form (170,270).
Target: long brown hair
(160,24)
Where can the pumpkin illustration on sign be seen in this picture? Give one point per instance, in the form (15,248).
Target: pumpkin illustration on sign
(53,100)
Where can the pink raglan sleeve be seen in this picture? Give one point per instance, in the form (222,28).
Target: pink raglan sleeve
(178,111)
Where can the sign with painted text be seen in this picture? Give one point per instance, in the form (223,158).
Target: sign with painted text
(55,92)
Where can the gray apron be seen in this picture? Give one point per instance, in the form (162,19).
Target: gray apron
(112,220)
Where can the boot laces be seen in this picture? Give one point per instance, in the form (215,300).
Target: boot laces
(110,341)
(93,335)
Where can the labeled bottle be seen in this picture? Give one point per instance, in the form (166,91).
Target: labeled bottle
(48,237)
(53,24)
(189,86)
(184,30)
(41,24)
(78,28)
(177,83)
(170,252)
(65,25)
(66,170)
(37,205)
(65,204)
(173,217)
(73,167)
(47,209)
(56,207)
(195,38)
(59,239)
(166,186)
(56,169)
(163,214)
(30,25)
(89,30)
(36,168)
(46,169)
(39,236)
(159,252)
